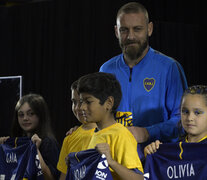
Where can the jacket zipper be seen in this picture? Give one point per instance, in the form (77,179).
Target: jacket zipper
(130,76)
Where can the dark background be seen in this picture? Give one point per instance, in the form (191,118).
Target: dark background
(52,43)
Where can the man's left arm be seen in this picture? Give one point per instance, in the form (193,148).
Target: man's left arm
(176,84)
(166,130)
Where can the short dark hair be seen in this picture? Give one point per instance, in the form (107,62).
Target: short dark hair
(101,85)
(74,85)
(133,7)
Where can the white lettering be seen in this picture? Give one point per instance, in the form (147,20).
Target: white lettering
(3,177)
(37,162)
(170,171)
(13,177)
(187,170)
(80,173)
(100,174)
(192,172)
(175,175)
(11,158)
(180,171)
(39,173)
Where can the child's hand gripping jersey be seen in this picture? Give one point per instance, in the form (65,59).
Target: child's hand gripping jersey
(177,161)
(19,160)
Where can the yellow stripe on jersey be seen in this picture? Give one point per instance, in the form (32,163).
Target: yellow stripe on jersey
(15,142)
(202,138)
(124,118)
(181,150)
(77,157)
(186,139)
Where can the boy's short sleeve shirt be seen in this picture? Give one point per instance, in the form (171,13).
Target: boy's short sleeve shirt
(75,142)
(122,144)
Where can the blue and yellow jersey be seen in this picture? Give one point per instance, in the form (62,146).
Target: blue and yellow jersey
(19,160)
(124,118)
(177,161)
(88,164)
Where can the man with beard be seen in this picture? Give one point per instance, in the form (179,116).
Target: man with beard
(152,83)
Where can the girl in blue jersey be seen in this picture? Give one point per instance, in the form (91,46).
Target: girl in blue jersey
(32,120)
(193,118)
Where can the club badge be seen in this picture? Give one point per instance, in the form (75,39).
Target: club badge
(149,83)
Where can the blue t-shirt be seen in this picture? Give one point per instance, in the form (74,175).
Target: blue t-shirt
(152,91)
(19,159)
(177,161)
(88,165)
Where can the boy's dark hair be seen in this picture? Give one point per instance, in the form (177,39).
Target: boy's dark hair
(74,85)
(101,85)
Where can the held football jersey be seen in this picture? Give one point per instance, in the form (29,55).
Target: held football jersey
(19,160)
(177,161)
(88,165)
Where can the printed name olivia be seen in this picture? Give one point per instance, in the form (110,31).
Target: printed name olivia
(180,171)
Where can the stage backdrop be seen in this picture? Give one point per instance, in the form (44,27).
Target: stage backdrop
(52,43)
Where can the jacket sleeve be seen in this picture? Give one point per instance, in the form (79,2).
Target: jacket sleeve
(176,84)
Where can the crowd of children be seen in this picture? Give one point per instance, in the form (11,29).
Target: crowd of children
(95,98)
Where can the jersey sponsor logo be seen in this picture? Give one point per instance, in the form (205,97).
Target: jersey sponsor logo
(100,175)
(146,175)
(88,164)
(148,83)
(37,163)
(103,164)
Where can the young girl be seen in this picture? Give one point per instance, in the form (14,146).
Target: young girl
(193,118)
(32,120)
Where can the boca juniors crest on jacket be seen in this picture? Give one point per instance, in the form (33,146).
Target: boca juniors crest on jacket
(152,91)
(19,160)
(187,161)
(88,165)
